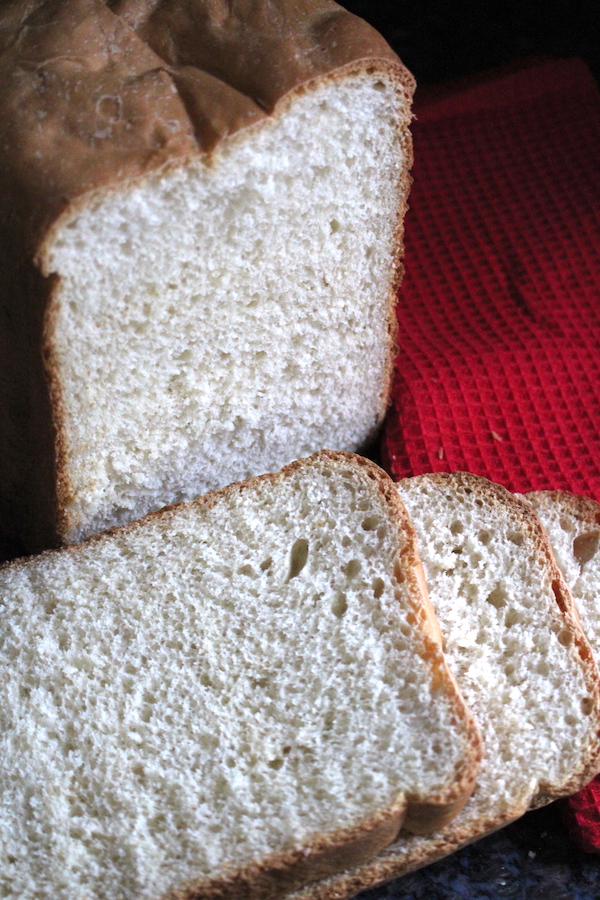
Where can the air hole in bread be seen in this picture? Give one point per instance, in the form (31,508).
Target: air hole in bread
(513,617)
(378,587)
(585,546)
(128,685)
(298,557)
(565,637)
(497,598)
(352,568)
(340,606)
(457,528)
(399,574)
(370,523)
(275,763)
(334,226)
(64,642)
(50,606)
(566,524)
(247,570)
(515,537)
(484,536)
(587,706)
(266,563)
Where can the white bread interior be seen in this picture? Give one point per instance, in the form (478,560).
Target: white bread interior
(221,682)
(506,639)
(226,316)
(573,526)
(521,661)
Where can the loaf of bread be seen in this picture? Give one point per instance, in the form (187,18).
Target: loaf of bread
(227,699)
(200,243)
(513,639)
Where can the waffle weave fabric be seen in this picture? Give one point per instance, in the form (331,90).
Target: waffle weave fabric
(499,365)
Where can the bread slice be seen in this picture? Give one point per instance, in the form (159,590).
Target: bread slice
(573,527)
(512,637)
(200,244)
(227,699)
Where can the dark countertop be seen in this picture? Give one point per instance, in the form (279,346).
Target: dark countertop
(532,859)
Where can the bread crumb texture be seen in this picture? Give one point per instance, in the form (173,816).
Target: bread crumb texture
(233,314)
(508,643)
(573,525)
(223,681)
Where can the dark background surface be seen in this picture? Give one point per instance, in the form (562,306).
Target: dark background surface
(440,40)
(443,39)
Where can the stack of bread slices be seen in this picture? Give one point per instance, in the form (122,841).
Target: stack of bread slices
(260,695)
(511,590)
(299,684)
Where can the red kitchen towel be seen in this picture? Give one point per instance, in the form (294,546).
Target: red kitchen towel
(498,369)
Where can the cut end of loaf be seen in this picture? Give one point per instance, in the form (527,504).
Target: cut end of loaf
(232,313)
(230,681)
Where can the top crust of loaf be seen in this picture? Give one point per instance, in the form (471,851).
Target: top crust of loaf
(93,93)
(335,851)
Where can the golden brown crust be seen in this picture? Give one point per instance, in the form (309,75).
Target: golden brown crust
(331,853)
(281,873)
(393,862)
(94,95)
(584,509)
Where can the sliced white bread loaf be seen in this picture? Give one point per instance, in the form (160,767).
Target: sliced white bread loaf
(573,526)
(227,699)
(512,637)
(200,243)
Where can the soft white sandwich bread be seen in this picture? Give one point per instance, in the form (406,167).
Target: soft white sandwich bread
(200,243)
(513,639)
(227,699)
(573,527)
